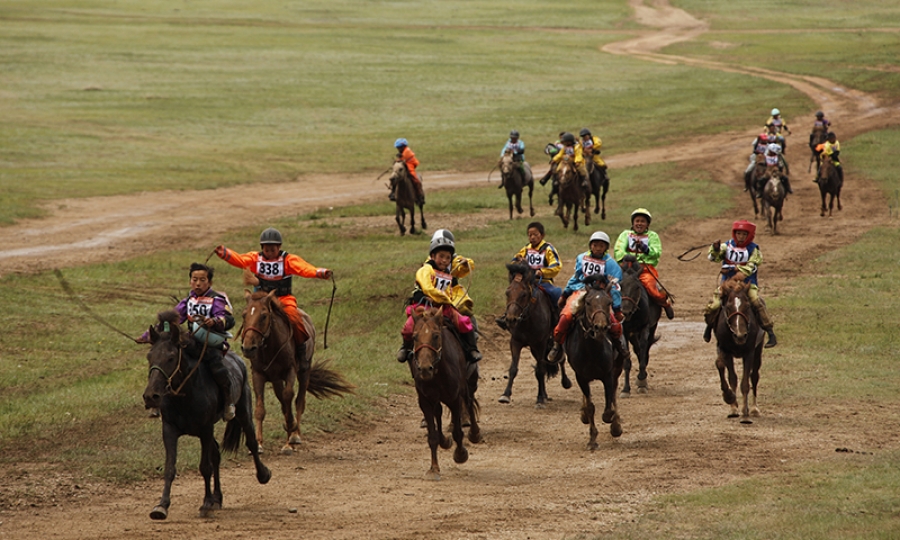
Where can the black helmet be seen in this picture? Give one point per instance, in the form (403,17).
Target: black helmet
(819,114)
(584,132)
(270,236)
(513,134)
(567,137)
(830,135)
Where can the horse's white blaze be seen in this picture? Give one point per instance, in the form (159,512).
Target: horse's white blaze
(252,310)
(737,303)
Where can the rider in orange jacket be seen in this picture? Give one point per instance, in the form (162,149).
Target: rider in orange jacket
(408,158)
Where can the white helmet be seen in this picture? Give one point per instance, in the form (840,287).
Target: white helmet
(442,238)
(774,148)
(775,112)
(599,235)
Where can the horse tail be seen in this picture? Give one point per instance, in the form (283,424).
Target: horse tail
(551,369)
(324,382)
(231,441)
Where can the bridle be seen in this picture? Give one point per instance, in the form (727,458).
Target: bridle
(264,335)
(588,322)
(177,392)
(523,310)
(437,351)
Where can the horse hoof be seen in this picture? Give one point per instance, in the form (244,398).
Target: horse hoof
(592,446)
(461,455)
(733,415)
(603,215)
(532,212)
(286,450)
(159,513)
(295,439)
(746,421)
(475,438)
(504,399)
(566,383)
(540,405)
(423,424)
(431,475)
(642,389)
(615,430)
(625,395)
(263,475)
(585,419)
(206,511)
(754,413)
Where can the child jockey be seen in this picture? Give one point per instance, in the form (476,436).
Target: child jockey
(408,158)
(518,151)
(544,260)
(759,148)
(571,151)
(774,158)
(780,126)
(739,254)
(437,284)
(820,128)
(591,148)
(593,263)
(646,247)
(832,148)
(211,316)
(273,270)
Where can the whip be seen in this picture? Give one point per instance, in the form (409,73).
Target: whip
(331,303)
(695,248)
(84,307)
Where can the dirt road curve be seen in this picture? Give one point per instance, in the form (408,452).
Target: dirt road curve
(533,477)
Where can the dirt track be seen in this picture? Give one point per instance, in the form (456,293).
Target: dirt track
(533,476)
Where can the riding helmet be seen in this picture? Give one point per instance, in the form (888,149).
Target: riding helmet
(584,132)
(513,134)
(270,236)
(599,235)
(567,137)
(775,112)
(820,114)
(743,225)
(642,212)
(400,143)
(442,239)
(774,148)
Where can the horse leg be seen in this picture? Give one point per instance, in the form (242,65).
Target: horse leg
(209,468)
(519,202)
(284,391)
(509,197)
(626,388)
(432,415)
(587,410)
(515,350)
(170,441)
(564,379)
(540,373)
(530,191)
(822,192)
(610,410)
(460,455)
(603,200)
(575,216)
(723,361)
(400,217)
(422,217)
(745,387)
(587,214)
(470,405)
(753,198)
(300,403)
(259,411)
(244,417)
(754,378)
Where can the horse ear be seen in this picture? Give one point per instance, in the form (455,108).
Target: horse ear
(154,335)
(271,295)
(247,294)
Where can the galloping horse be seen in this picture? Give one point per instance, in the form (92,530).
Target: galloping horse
(641,320)
(183,389)
(773,195)
(817,137)
(570,195)
(738,334)
(514,180)
(755,180)
(440,370)
(267,341)
(531,317)
(406,198)
(829,184)
(593,358)
(599,187)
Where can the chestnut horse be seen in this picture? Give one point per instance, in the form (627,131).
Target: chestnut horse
(406,199)
(181,386)
(516,176)
(829,184)
(531,316)
(441,373)
(267,339)
(594,358)
(571,195)
(641,320)
(773,195)
(738,334)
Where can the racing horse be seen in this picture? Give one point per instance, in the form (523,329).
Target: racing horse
(738,334)
(829,181)
(571,195)
(516,175)
(406,199)
(773,195)
(593,358)
(181,386)
(755,180)
(531,316)
(641,320)
(599,186)
(267,339)
(442,375)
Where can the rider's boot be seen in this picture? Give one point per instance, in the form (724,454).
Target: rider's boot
(405,352)
(840,171)
(219,372)
(501,322)
(786,181)
(556,353)
(620,346)
(393,195)
(559,337)
(765,320)
(470,345)
(420,194)
(670,313)
(711,316)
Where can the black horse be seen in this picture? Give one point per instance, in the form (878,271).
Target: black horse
(599,180)
(594,358)
(641,320)
(182,387)
(531,316)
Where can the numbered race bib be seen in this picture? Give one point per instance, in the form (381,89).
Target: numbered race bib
(593,267)
(200,307)
(587,145)
(569,150)
(635,241)
(535,259)
(736,255)
(771,161)
(442,281)
(271,270)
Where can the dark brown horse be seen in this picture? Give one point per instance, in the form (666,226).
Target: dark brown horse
(181,386)
(571,195)
(406,199)
(641,320)
(516,176)
(594,358)
(817,137)
(442,376)
(738,334)
(267,341)
(756,180)
(599,186)
(773,196)
(829,181)
(531,316)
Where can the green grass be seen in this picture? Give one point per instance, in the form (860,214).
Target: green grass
(826,15)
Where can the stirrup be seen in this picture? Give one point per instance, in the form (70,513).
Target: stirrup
(669,312)
(555,354)
(501,322)
(230,412)
(403,354)
(707,334)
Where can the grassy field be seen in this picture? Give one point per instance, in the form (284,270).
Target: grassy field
(824,15)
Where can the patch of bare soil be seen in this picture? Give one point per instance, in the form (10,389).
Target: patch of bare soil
(533,476)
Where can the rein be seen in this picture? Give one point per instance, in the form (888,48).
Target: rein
(265,336)
(177,392)
(523,310)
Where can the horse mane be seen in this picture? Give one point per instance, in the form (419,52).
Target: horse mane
(734,285)
(631,265)
(596,282)
(519,266)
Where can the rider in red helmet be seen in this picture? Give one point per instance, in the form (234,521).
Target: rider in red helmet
(739,254)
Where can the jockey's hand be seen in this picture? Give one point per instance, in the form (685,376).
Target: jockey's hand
(717,245)
(725,271)
(618,314)
(329,274)
(561,302)
(208,322)
(645,248)
(220,251)
(142,340)
(538,275)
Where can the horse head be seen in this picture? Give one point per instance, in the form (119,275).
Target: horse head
(520,293)
(632,289)
(736,306)
(257,325)
(166,358)
(595,308)
(566,172)
(507,162)
(427,340)
(398,173)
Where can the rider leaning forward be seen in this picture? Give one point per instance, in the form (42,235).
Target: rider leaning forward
(645,246)
(273,270)
(517,147)
(574,152)
(591,146)
(739,255)
(594,263)
(409,160)
(832,148)
(437,284)
(543,259)
(211,316)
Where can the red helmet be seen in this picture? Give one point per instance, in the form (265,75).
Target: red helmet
(746,226)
